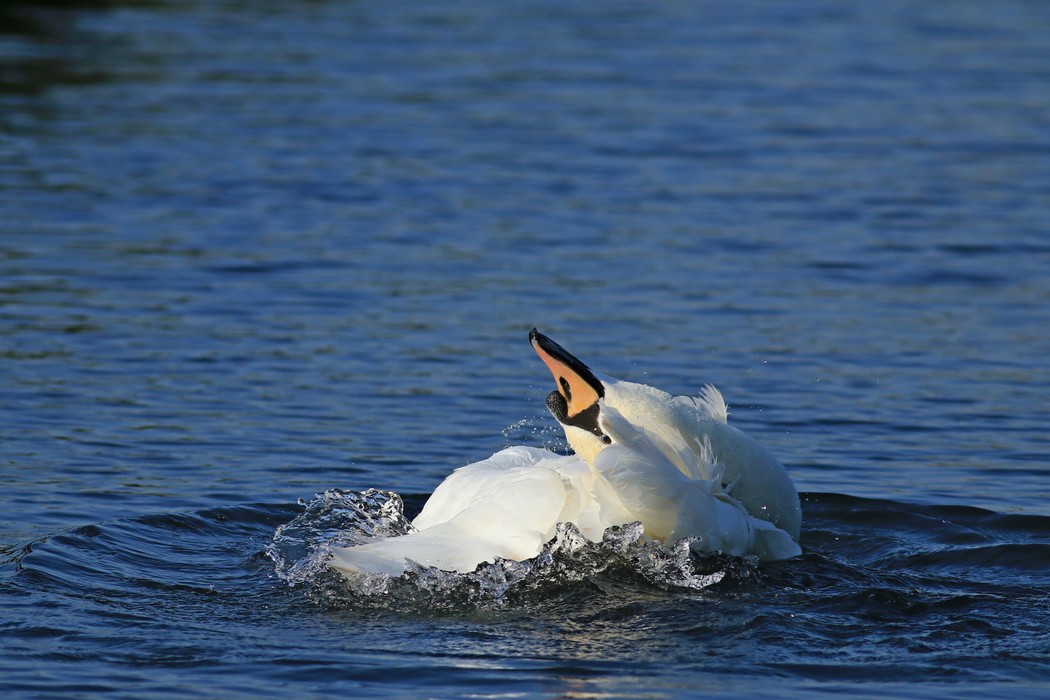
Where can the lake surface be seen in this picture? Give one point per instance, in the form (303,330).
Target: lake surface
(255,252)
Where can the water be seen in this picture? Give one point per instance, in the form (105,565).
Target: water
(252,252)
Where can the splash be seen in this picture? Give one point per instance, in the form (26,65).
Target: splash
(301,548)
(537,432)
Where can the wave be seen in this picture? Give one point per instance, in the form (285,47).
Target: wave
(931,592)
(853,549)
(202,552)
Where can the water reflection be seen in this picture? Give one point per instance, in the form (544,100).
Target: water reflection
(42,46)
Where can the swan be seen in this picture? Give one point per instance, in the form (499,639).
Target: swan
(672,463)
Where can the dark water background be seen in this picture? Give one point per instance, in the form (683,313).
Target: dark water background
(253,251)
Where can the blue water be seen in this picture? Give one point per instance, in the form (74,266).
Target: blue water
(252,252)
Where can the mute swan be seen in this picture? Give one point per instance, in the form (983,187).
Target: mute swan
(671,462)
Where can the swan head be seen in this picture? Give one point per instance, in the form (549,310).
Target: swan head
(581,396)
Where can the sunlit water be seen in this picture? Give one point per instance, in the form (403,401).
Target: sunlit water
(256,260)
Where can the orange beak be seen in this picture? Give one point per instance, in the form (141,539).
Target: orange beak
(575,381)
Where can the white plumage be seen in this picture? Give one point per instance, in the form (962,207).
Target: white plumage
(672,463)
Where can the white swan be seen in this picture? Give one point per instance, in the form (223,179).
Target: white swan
(672,463)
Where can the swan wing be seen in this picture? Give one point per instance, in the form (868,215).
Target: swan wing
(505,506)
(651,488)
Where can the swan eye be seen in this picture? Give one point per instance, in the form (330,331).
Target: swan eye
(606,439)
